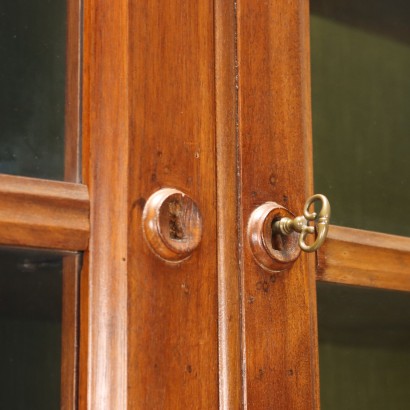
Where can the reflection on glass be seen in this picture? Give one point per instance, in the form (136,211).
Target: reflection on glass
(32,81)
(360,54)
(364,348)
(30,330)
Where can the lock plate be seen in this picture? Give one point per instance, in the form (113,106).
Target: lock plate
(172,224)
(272,251)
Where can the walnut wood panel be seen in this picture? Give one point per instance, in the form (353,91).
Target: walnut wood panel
(103,307)
(363,258)
(172,322)
(230,381)
(43,214)
(280,357)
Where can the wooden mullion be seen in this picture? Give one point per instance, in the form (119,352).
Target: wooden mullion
(364,258)
(70,332)
(72,173)
(72,130)
(43,214)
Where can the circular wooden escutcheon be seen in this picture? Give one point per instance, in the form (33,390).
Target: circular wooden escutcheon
(272,252)
(172,224)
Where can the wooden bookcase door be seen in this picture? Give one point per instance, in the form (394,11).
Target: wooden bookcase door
(211,98)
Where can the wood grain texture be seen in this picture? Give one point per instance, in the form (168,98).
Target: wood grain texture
(172,224)
(72,129)
(279,309)
(105,124)
(70,332)
(230,378)
(172,322)
(364,258)
(43,214)
(72,173)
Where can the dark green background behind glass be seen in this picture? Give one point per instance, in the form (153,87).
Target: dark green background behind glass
(30,330)
(360,52)
(32,84)
(364,348)
(32,81)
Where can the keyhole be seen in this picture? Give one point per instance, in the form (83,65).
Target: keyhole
(172,224)
(277,238)
(272,251)
(176,228)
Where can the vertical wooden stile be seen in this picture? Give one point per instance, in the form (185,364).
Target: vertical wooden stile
(105,146)
(275,148)
(173,345)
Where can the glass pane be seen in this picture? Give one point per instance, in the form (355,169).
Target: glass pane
(364,348)
(30,330)
(32,83)
(360,54)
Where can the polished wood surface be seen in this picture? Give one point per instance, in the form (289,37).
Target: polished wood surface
(364,258)
(72,173)
(231,394)
(172,224)
(273,252)
(278,315)
(172,316)
(72,129)
(70,332)
(43,214)
(103,326)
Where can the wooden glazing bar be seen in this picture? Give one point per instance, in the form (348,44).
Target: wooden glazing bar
(70,332)
(43,214)
(72,173)
(364,258)
(72,129)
